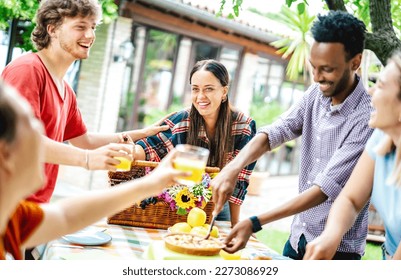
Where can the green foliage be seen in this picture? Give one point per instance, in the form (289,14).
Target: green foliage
(24,10)
(157,114)
(110,11)
(235,6)
(360,8)
(274,239)
(265,113)
(372,252)
(298,48)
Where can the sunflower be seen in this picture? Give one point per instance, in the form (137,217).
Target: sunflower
(185,199)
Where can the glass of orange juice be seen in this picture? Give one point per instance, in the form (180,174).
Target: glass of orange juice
(124,165)
(191,159)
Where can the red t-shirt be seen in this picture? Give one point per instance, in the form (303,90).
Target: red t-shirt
(61,118)
(22,223)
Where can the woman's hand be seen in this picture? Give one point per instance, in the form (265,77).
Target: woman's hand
(165,175)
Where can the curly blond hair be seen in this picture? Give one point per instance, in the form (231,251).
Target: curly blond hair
(53,12)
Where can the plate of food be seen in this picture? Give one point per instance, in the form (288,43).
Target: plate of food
(88,238)
(193,244)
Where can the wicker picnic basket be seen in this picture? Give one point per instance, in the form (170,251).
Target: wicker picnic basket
(158,215)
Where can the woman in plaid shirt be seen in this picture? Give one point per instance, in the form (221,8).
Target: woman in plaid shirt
(212,123)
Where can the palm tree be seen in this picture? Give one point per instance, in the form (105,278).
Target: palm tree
(297,47)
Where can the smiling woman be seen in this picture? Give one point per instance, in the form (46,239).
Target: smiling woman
(211,123)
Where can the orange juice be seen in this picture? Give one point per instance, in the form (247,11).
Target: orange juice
(124,165)
(195,166)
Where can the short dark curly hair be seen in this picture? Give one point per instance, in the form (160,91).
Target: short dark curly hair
(340,27)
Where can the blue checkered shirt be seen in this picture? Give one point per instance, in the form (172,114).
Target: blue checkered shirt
(243,130)
(332,142)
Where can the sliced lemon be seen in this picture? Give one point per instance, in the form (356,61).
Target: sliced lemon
(228,256)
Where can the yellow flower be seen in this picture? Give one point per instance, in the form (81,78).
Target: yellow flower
(185,199)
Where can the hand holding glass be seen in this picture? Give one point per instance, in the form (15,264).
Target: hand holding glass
(124,165)
(191,159)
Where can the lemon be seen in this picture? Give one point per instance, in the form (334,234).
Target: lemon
(228,256)
(199,230)
(214,232)
(196,217)
(181,227)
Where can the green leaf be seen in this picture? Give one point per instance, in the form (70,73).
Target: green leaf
(296,48)
(301,8)
(236,10)
(289,2)
(181,211)
(220,12)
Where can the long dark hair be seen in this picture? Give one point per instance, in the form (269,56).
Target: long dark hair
(221,144)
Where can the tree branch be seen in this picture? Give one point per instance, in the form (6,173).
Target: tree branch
(380,15)
(382,44)
(336,5)
(383,39)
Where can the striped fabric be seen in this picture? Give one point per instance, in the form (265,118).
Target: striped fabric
(133,243)
(243,129)
(333,139)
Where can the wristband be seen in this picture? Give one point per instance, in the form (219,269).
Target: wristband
(256,226)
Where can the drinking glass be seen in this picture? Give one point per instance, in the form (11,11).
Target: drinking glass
(124,165)
(191,159)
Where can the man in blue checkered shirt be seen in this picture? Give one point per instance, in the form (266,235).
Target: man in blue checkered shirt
(332,118)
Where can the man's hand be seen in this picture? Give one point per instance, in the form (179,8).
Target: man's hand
(238,237)
(159,122)
(103,158)
(157,127)
(150,130)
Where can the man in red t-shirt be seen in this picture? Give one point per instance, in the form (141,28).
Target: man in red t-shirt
(63,34)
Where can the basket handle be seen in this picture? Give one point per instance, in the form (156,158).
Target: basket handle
(146,163)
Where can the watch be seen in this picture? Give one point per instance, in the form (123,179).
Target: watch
(256,226)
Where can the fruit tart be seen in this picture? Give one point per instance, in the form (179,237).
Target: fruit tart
(192,244)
